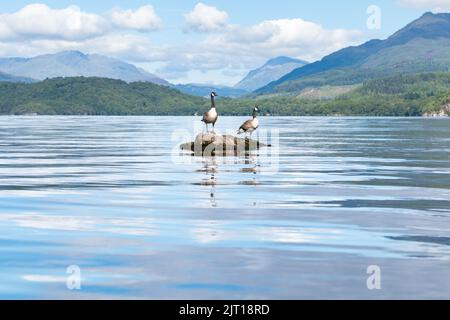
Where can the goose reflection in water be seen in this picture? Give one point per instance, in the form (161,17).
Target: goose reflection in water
(251,166)
(248,165)
(210,169)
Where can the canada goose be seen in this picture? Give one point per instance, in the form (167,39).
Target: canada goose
(211,115)
(250,125)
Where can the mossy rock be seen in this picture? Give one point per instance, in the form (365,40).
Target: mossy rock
(210,144)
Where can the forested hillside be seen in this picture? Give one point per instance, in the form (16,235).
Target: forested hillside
(402,95)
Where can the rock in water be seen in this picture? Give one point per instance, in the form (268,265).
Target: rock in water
(210,144)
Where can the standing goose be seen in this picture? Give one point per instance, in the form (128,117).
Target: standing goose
(250,125)
(211,115)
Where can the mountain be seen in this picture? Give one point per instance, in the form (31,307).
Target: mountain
(74,64)
(421,46)
(202,90)
(96,96)
(273,69)
(10,78)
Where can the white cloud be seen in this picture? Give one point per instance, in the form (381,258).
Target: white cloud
(296,37)
(128,47)
(224,53)
(142,19)
(205,18)
(40,21)
(38,29)
(433,5)
(240,48)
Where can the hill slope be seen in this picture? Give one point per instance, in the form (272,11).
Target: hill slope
(272,70)
(75,64)
(398,95)
(401,95)
(421,46)
(95,96)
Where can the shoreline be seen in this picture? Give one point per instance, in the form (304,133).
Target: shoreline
(431,116)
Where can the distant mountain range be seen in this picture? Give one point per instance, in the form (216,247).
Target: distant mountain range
(203,90)
(74,64)
(10,78)
(272,70)
(421,46)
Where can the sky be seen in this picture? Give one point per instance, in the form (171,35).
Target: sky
(214,42)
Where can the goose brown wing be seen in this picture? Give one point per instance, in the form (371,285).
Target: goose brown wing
(246,125)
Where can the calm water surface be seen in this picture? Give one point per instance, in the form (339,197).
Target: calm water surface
(114,196)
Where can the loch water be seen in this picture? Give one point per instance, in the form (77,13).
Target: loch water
(310,217)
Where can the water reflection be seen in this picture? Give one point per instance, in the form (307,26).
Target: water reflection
(104,194)
(210,168)
(251,166)
(423,239)
(213,168)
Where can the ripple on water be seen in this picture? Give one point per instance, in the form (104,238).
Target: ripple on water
(111,195)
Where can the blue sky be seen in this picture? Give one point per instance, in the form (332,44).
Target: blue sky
(202,42)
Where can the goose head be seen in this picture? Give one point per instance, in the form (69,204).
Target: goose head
(213,94)
(255,111)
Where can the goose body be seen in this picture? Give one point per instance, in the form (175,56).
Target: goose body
(210,117)
(251,125)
